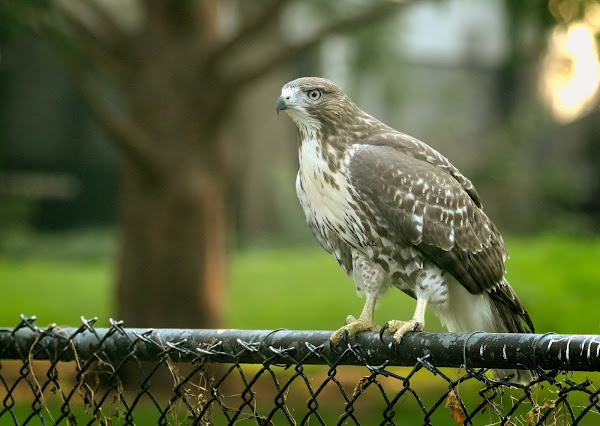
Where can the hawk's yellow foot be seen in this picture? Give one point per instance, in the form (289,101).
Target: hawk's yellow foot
(353,326)
(400,328)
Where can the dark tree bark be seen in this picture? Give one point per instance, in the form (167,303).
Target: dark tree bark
(173,216)
(173,239)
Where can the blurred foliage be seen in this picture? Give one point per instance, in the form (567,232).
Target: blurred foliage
(93,244)
(15,213)
(375,67)
(565,11)
(16,13)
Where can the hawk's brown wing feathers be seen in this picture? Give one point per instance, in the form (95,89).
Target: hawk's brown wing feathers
(421,151)
(430,207)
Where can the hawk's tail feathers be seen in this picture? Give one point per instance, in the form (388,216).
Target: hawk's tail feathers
(510,309)
(514,319)
(498,311)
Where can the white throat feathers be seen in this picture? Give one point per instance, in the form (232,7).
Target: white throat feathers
(307,125)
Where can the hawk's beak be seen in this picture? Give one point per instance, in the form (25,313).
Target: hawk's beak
(281,104)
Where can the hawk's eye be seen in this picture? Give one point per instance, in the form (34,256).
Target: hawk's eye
(314,94)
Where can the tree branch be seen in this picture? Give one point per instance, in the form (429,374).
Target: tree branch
(78,35)
(132,141)
(286,53)
(251,29)
(94,32)
(92,19)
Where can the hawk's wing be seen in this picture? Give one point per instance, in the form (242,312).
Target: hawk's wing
(421,204)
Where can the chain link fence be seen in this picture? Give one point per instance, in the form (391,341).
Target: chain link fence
(123,376)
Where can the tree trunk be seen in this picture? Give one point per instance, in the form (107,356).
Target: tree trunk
(172,265)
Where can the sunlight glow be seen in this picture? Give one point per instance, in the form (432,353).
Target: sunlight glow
(571,71)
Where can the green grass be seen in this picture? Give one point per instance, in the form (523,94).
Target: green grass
(557,279)
(56,291)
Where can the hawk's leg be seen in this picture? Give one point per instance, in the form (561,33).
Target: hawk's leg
(417,323)
(368,277)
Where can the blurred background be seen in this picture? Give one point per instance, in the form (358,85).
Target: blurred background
(145,176)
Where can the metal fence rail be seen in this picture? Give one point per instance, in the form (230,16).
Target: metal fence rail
(117,375)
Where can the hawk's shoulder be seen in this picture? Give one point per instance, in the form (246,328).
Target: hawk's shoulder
(420,151)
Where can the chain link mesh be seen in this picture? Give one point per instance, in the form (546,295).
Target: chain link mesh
(116,375)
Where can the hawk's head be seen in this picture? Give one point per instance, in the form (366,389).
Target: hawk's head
(314,102)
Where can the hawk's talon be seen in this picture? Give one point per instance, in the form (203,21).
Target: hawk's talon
(351,329)
(400,328)
(383,328)
(345,336)
(333,347)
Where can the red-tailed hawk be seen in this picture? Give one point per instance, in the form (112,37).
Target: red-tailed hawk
(394,211)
